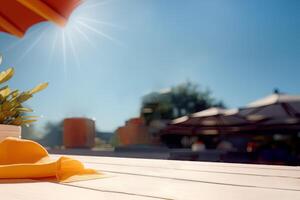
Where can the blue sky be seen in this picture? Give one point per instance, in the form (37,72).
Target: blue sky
(124,49)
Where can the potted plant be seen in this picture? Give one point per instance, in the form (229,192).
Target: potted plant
(12,112)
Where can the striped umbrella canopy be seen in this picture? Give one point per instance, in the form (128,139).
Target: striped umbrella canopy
(17,16)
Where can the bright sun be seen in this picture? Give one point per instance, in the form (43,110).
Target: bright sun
(78,30)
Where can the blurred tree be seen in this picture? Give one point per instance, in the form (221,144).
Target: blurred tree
(54,134)
(183,99)
(30,133)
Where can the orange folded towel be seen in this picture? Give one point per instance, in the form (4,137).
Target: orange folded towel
(25,159)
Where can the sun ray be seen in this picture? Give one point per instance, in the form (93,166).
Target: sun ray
(93,5)
(99,33)
(53,47)
(32,46)
(64,51)
(70,39)
(99,22)
(19,42)
(84,35)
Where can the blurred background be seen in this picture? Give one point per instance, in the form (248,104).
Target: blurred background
(189,80)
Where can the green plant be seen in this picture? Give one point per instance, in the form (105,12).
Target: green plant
(12,111)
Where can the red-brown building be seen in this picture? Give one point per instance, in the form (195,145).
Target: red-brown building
(79,133)
(134,132)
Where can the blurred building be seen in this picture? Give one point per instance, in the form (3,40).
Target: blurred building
(79,133)
(134,132)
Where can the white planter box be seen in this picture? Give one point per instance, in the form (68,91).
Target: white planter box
(9,131)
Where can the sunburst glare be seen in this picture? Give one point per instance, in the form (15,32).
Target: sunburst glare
(80,29)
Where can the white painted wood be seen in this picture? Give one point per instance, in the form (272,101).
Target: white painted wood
(266,170)
(52,191)
(208,177)
(164,179)
(134,161)
(184,190)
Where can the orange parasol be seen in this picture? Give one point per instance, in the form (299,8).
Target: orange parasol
(16,16)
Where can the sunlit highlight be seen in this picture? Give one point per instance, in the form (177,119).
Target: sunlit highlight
(64,50)
(67,41)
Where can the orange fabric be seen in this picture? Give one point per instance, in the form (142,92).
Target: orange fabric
(44,11)
(16,16)
(29,160)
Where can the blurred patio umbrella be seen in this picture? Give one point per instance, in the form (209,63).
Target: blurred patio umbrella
(209,121)
(17,16)
(211,117)
(274,113)
(274,109)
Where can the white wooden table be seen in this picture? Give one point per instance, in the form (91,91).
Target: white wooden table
(128,178)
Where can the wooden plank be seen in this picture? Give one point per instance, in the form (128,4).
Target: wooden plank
(134,161)
(190,180)
(264,170)
(165,179)
(185,190)
(271,182)
(31,190)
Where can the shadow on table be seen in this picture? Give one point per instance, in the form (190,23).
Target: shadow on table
(16,181)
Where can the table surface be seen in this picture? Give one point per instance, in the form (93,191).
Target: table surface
(128,178)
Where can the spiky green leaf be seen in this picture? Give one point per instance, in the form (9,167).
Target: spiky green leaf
(6,75)
(38,88)
(23,109)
